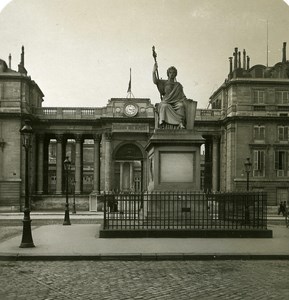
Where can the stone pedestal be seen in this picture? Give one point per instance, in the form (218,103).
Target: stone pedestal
(174,160)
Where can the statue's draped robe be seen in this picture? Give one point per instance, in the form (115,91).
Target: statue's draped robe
(171,109)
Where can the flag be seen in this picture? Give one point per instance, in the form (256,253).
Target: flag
(129,84)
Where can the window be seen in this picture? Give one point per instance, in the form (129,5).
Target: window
(259,163)
(259,97)
(281,162)
(217,104)
(283,133)
(282,97)
(53,179)
(259,133)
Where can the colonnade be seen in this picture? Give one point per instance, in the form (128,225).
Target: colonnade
(211,176)
(212,163)
(216,163)
(61,141)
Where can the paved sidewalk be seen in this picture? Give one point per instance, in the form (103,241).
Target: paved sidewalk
(81,241)
(81,215)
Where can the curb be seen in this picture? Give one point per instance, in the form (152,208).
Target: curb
(142,257)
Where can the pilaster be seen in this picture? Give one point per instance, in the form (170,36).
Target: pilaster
(78,163)
(96,165)
(108,161)
(40,161)
(59,162)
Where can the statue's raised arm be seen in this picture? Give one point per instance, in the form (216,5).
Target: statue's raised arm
(155,73)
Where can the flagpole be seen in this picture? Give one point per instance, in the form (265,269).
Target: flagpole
(129,92)
(267,43)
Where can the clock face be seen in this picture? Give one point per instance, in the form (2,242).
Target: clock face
(131,110)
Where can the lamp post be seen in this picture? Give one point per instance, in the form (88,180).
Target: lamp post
(248,166)
(26,134)
(67,164)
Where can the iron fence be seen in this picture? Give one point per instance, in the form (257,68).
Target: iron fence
(182,210)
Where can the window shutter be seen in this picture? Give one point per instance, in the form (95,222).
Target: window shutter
(281,160)
(256,160)
(262,133)
(280,133)
(276,153)
(255,97)
(262,160)
(262,97)
(277,95)
(286,133)
(286,97)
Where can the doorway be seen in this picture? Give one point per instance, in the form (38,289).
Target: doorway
(128,169)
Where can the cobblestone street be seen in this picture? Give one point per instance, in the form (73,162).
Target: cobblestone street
(144,280)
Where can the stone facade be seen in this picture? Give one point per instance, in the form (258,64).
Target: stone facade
(107,145)
(255,108)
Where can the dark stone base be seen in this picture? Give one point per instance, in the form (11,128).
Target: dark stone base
(57,202)
(186,233)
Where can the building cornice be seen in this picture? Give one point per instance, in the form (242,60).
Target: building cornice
(233,81)
(19,76)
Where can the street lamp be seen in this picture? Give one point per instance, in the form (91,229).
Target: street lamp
(248,166)
(26,134)
(67,165)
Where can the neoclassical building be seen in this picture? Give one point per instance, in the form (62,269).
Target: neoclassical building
(247,118)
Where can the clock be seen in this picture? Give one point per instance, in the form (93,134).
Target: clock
(130,110)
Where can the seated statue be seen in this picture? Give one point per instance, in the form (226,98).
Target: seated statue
(3,66)
(171,110)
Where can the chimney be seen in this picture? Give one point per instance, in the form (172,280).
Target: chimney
(244,59)
(248,62)
(9,60)
(235,58)
(21,68)
(284,53)
(231,64)
(22,57)
(239,59)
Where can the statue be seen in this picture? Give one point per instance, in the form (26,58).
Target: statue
(171,109)
(3,66)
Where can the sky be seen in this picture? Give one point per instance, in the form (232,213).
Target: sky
(80,52)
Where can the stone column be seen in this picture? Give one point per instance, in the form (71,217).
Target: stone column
(59,163)
(107,162)
(78,163)
(40,161)
(131,181)
(2,145)
(1,159)
(120,176)
(215,166)
(45,165)
(33,165)
(208,165)
(96,163)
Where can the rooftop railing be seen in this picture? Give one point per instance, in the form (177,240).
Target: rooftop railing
(94,113)
(69,112)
